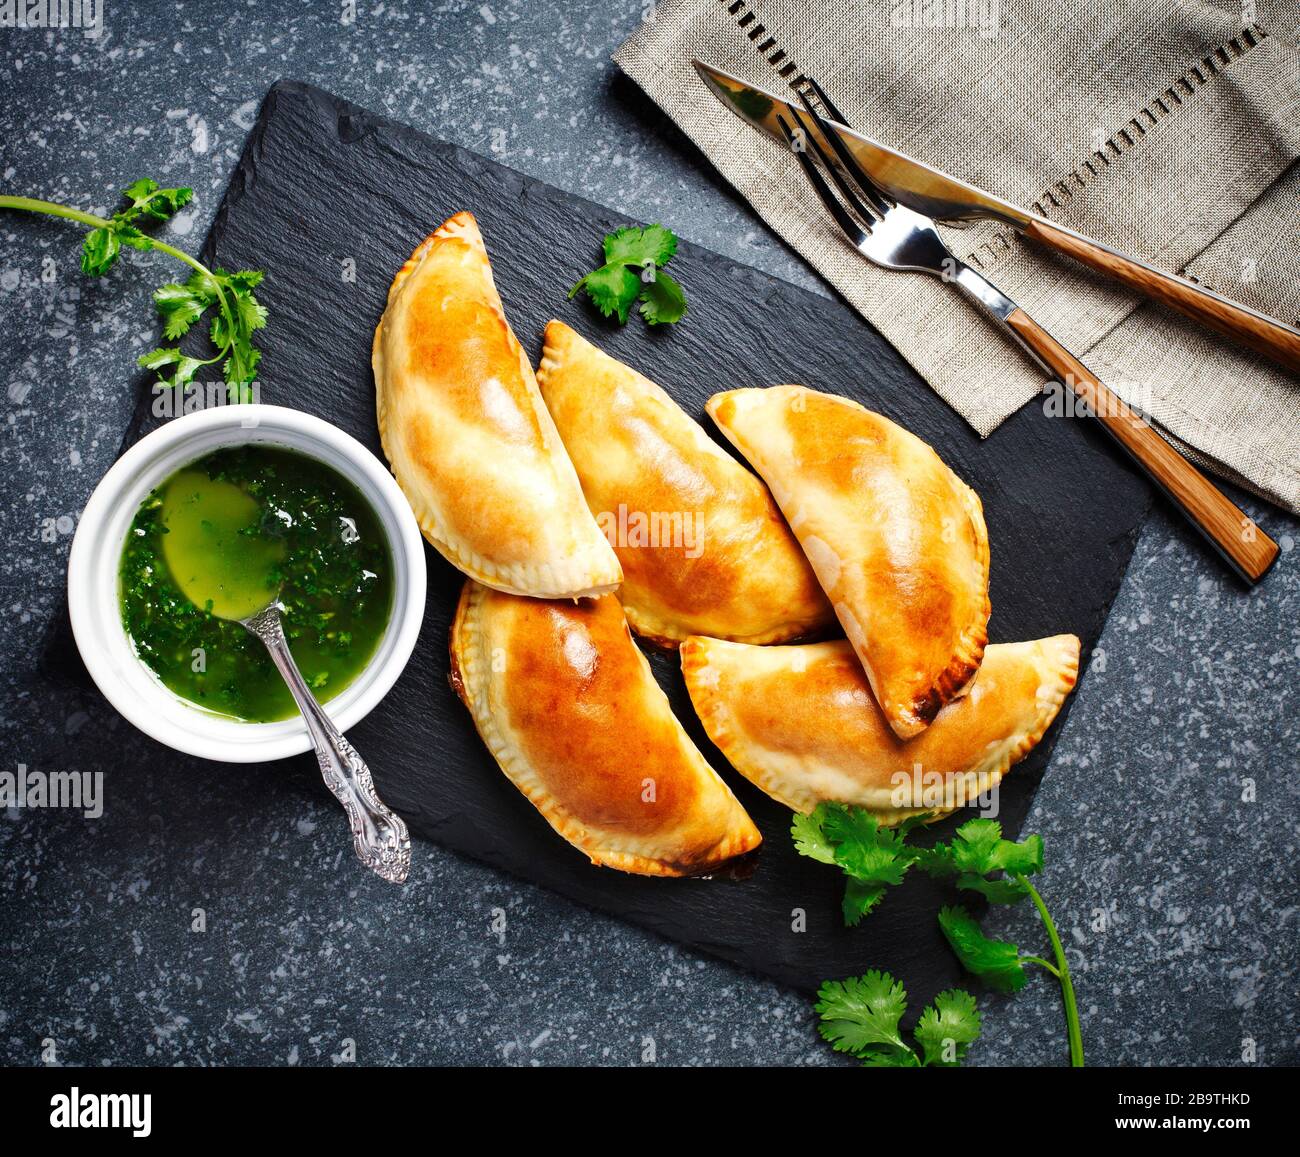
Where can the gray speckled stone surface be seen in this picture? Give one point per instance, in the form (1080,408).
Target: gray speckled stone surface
(1142,809)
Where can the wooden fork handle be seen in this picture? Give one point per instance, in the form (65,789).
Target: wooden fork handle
(1255,330)
(1236,536)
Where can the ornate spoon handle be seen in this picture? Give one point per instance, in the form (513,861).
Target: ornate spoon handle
(380,838)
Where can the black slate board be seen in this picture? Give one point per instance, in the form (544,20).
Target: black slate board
(322,183)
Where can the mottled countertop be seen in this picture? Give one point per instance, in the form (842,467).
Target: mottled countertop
(1168,810)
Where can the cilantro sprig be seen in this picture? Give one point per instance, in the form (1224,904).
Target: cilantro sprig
(237,314)
(978,859)
(861,1016)
(632,273)
(871,856)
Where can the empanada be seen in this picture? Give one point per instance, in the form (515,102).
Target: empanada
(467,435)
(567,705)
(704,549)
(801,723)
(896,538)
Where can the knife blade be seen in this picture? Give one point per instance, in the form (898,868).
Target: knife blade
(935,194)
(908,181)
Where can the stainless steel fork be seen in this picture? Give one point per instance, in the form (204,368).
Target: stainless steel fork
(895,237)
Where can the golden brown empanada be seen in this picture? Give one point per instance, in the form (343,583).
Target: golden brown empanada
(566,703)
(467,435)
(802,724)
(704,549)
(896,538)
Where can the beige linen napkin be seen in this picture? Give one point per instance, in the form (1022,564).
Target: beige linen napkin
(1165,128)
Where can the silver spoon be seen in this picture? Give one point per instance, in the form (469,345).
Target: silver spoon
(209,519)
(380,837)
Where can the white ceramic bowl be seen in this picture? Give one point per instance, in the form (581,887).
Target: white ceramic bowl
(93,588)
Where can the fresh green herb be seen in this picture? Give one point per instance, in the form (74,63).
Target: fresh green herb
(995,962)
(977,850)
(978,860)
(238,314)
(148,201)
(871,856)
(633,271)
(861,1016)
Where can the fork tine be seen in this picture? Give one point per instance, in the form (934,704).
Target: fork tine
(849,192)
(825,102)
(833,206)
(847,159)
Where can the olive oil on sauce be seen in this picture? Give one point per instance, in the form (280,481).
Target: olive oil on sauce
(222,538)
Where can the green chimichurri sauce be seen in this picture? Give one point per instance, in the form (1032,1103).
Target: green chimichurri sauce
(217,541)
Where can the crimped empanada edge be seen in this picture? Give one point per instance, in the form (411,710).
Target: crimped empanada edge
(956,677)
(649,626)
(469,673)
(584,575)
(957,794)
(714,714)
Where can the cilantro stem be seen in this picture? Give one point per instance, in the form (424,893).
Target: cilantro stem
(54,209)
(32,205)
(1062,971)
(1047,964)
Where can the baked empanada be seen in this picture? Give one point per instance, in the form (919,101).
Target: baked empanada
(468,437)
(704,549)
(896,538)
(801,723)
(567,705)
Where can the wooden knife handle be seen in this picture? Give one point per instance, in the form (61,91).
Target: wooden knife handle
(1250,551)
(1262,334)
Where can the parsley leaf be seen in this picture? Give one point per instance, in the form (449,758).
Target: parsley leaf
(130,235)
(156,359)
(238,315)
(862,1012)
(996,962)
(179,306)
(147,199)
(613,289)
(809,839)
(978,849)
(99,250)
(101,247)
(947,1028)
(653,245)
(863,848)
(860,899)
(995,891)
(861,1016)
(662,299)
(873,857)
(634,258)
